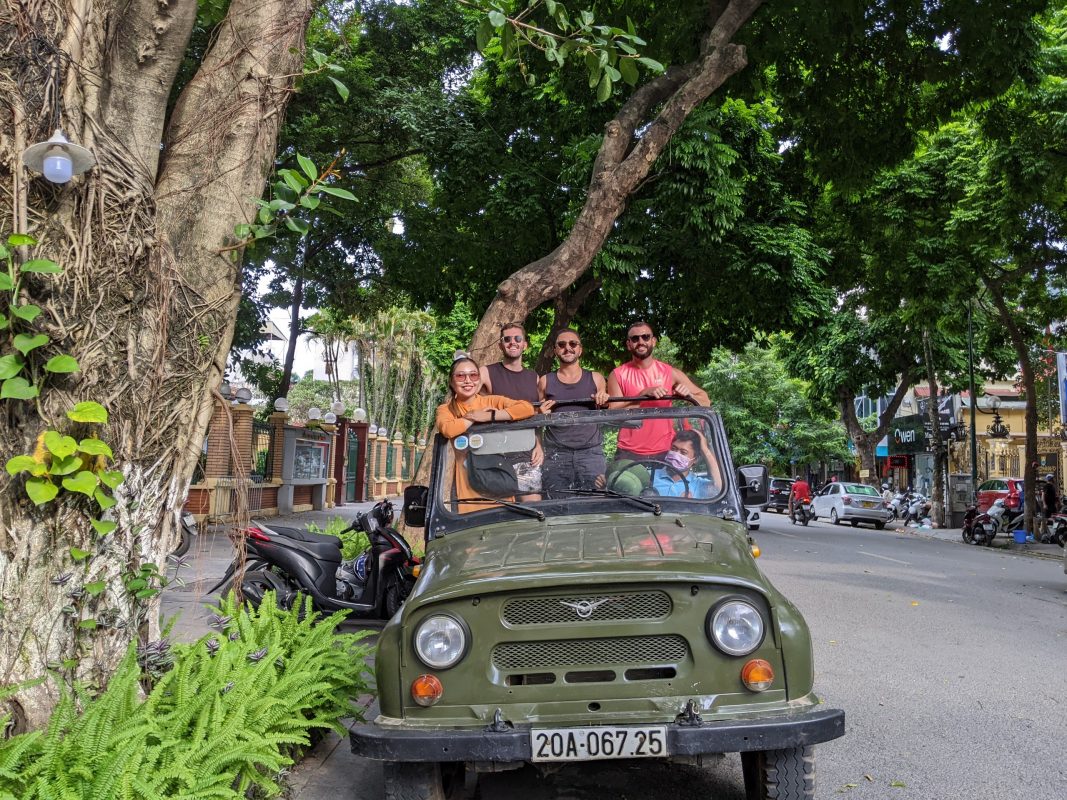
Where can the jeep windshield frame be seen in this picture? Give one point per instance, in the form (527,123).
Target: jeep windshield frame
(444,515)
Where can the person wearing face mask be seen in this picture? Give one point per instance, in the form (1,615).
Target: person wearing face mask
(466,407)
(685,448)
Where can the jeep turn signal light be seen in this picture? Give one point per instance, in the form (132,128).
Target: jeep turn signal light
(753,547)
(416,570)
(757,675)
(427,690)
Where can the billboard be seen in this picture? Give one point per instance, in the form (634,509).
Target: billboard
(907,435)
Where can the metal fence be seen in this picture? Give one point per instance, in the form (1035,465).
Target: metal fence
(225,505)
(262,453)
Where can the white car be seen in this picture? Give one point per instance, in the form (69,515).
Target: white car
(852,502)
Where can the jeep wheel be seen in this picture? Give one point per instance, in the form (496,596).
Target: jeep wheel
(416,780)
(779,774)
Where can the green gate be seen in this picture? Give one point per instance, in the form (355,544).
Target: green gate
(352,469)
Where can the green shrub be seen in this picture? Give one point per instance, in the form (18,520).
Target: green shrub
(352,542)
(228,717)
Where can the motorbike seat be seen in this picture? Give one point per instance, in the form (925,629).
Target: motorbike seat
(319,545)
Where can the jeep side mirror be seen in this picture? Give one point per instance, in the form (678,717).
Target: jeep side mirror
(752,481)
(415,505)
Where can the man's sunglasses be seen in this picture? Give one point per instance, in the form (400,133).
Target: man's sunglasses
(517,338)
(640,337)
(572,344)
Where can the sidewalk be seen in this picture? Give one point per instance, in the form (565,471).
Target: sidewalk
(1001,542)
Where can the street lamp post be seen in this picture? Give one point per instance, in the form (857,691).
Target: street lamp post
(974,402)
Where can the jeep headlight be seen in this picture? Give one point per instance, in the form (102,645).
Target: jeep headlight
(440,641)
(735,627)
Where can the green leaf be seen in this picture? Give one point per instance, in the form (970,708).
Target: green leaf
(277,204)
(41,265)
(28,312)
(17,389)
(84,482)
(652,65)
(135,584)
(10,366)
(88,411)
(41,490)
(141,595)
(497,19)
(294,180)
(20,464)
(344,194)
(87,624)
(20,239)
(65,465)
(628,70)
(5,323)
(603,91)
(104,500)
(341,88)
(319,57)
(95,447)
(242,231)
(79,555)
(103,526)
(310,202)
(61,364)
(111,478)
(25,343)
(6,284)
(296,225)
(308,166)
(550,7)
(59,445)
(95,588)
(484,34)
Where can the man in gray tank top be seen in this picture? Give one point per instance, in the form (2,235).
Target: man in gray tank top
(574,455)
(509,378)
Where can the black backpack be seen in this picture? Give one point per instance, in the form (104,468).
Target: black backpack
(491,475)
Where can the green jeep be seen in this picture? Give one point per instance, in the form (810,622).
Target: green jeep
(573,616)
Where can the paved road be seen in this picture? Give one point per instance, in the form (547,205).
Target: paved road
(950,661)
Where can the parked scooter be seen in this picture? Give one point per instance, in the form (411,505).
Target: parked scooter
(997,520)
(978,529)
(918,508)
(189,532)
(1057,531)
(291,562)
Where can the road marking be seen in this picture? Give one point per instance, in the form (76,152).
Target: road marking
(887,558)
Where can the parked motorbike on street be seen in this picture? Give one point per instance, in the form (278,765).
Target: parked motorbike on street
(188,532)
(1057,531)
(998,519)
(978,529)
(292,562)
(918,508)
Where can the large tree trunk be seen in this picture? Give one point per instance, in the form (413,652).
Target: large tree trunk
(1022,351)
(148,298)
(633,140)
(937,502)
(866,443)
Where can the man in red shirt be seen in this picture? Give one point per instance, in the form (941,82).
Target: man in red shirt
(645,376)
(800,492)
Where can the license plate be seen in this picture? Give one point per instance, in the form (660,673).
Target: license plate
(867,504)
(590,744)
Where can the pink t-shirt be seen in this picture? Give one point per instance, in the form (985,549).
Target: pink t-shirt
(655,436)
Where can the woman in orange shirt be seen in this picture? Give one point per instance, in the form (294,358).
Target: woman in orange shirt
(464,408)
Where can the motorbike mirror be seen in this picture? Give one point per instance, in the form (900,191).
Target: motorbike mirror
(415,505)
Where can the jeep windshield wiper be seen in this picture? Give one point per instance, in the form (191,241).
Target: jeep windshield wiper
(651,505)
(532,512)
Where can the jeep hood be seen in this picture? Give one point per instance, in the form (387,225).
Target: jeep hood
(565,551)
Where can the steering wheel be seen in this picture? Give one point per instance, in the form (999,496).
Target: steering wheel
(653,464)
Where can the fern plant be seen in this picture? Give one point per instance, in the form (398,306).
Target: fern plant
(228,717)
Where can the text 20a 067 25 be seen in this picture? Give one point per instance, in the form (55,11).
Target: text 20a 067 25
(587,744)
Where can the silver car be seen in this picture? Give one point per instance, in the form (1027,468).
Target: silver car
(854,502)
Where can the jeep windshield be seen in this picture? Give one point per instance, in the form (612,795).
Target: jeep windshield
(637,460)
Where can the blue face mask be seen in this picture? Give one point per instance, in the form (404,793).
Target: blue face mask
(677,460)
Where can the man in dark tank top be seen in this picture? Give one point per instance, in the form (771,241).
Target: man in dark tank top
(574,455)
(509,378)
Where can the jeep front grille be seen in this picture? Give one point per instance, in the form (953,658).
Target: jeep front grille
(644,650)
(618,606)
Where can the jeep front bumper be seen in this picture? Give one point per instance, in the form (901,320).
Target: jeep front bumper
(794,729)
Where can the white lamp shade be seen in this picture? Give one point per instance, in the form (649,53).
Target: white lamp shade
(383,432)
(57,159)
(337,407)
(372,429)
(330,418)
(281,404)
(314,413)
(359,415)
(244,394)
(224,389)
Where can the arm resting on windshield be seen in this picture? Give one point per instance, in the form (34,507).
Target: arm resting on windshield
(452,426)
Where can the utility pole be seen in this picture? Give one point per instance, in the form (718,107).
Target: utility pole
(974,400)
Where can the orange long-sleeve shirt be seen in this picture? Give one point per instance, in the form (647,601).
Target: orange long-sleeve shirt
(451,425)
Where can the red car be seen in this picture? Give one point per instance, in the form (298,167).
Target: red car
(1011,489)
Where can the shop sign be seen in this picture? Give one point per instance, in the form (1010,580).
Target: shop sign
(907,435)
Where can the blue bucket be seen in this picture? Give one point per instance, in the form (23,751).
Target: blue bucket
(1020,537)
